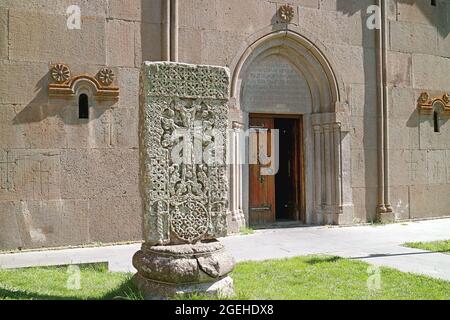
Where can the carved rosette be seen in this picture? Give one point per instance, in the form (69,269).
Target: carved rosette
(426,103)
(60,73)
(106,76)
(183,127)
(286,13)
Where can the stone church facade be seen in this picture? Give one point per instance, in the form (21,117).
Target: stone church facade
(364,111)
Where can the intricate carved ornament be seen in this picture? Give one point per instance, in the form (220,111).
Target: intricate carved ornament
(199,82)
(186,201)
(426,103)
(106,76)
(66,85)
(286,13)
(60,73)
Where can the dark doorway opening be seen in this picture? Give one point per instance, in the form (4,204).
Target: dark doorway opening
(285,180)
(278,198)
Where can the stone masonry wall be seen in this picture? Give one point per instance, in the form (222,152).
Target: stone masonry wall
(65,181)
(420,61)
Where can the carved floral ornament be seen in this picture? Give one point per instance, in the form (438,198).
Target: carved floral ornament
(65,85)
(427,104)
(286,13)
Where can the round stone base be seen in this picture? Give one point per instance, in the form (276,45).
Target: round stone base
(151,290)
(167,271)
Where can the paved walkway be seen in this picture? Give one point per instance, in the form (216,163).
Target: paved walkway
(380,245)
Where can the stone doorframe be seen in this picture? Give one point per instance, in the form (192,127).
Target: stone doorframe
(327,142)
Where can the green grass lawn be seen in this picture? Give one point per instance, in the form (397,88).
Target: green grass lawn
(302,278)
(436,246)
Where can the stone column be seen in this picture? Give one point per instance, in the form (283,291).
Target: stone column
(329,174)
(184,189)
(237,213)
(338,171)
(318,175)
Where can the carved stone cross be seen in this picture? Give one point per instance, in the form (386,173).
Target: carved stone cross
(184,185)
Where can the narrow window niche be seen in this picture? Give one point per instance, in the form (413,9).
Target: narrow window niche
(437,128)
(438,109)
(83,106)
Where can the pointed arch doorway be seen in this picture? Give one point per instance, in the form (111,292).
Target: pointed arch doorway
(283,76)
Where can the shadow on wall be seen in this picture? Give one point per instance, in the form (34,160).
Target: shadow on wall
(368,114)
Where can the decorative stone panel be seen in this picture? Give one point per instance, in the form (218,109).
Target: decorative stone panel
(184,201)
(65,85)
(426,103)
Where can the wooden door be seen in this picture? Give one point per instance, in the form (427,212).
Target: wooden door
(262,203)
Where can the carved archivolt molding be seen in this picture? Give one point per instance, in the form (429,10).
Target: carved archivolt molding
(286,13)
(427,104)
(65,85)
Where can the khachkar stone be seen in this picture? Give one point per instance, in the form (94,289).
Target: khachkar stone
(184,185)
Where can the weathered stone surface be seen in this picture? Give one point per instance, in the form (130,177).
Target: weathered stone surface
(195,191)
(38,37)
(184,190)
(184,264)
(152,290)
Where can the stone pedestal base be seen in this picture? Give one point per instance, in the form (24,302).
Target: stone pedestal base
(168,271)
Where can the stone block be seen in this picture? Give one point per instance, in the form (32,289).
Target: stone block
(10,237)
(431,140)
(437,166)
(355,64)
(324,23)
(190,45)
(420,12)
(363,100)
(83,133)
(403,104)
(53,223)
(430,201)
(148,38)
(365,201)
(124,129)
(418,167)
(4,36)
(42,37)
(120,43)
(243,17)
(115,219)
(413,38)
(400,69)
(364,133)
(364,168)
(400,202)
(400,164)
(428,72)
(75,174)
(23,83)
(136,10)
(88,8)
(213,51)
(444,43)
(99,173)
(403,136)
(128,79)
(30,174)
(113,173)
